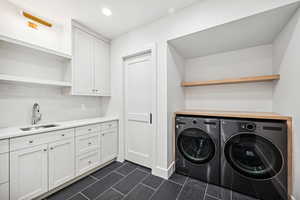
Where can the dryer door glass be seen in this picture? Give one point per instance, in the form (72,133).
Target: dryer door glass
(253,156)
(196,146)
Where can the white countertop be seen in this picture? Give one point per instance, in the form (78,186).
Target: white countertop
(11,132)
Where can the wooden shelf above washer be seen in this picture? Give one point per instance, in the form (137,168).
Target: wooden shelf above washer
(233,81)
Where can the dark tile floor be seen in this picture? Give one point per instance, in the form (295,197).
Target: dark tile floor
(128,181)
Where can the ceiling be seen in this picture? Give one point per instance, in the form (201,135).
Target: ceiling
(252,31)
(126,14)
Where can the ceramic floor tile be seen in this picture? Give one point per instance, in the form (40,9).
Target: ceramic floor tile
(99,187)
(153,181)
(72,189)
(167,191)
(110,195)
(130,181)
(141,192)
(178,178)
(106,170)
(193,190)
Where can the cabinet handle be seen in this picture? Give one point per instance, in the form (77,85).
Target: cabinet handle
(89,143)
(45,149)
(30,141)
(51,148)
(150,118)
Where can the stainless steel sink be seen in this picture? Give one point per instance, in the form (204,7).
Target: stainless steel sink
(32,128)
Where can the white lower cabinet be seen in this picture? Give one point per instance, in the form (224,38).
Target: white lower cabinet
(86,162)
(40,163)
(61,162)
(109,144)
(4,191)
(29,172)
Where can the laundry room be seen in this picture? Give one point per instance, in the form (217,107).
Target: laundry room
(149,100)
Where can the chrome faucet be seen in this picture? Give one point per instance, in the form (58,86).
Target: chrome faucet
(36,115)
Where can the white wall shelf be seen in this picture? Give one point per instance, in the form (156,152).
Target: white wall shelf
(35,47)
(26,80)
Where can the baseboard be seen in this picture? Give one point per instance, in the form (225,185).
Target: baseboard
(164,172)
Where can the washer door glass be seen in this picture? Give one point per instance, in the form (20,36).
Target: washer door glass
(196,146)
(253,156)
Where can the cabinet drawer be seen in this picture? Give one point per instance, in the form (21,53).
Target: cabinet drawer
(38,139)
(87,143)
(4,164)
(109,125)
(4,148)
(87,162)
(4,193)
(87,129)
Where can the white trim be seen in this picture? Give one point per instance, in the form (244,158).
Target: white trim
(164,173)
(82,27)
(151,48)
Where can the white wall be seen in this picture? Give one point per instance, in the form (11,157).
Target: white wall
(175,92)
(255,61)
(205,14)
(16,103)
(286,92)
(13,24)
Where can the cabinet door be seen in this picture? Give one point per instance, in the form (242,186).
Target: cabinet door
(28,173)
(61,162)
(102,67)
(109,145)
(83,64)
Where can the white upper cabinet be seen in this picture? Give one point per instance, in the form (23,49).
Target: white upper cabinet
(91,69)
(83,71)
(102,67)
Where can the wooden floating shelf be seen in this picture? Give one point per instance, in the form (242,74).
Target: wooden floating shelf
(233,81)
(26,80)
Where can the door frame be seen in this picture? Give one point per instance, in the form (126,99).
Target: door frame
(148,49)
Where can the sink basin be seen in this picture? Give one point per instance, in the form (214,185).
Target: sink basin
(32,128)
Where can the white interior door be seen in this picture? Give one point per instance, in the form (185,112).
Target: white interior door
(140,104)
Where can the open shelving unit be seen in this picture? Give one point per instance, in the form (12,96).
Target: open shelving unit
(35,47)
(233,80)
(19,79)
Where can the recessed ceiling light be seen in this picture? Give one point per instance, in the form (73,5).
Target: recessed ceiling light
(106,12)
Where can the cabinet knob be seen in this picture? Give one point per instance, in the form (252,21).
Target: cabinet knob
(90,162)
(30,141)
(63,135)
(89,143)
(51,148)
(89,129)
(45,149)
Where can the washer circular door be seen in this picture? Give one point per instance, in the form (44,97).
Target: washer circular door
(253,156)
(196,146)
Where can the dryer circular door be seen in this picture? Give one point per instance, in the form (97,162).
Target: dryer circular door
(196,146)
(253,156)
